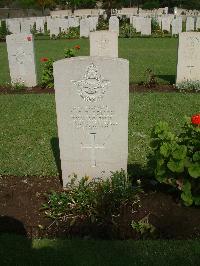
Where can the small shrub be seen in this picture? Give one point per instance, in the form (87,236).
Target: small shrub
(189,86)
(155,25)
(150,78)
(144,227)
(69,53)
(47,73)
(72,33)
(94,200)
(3,31)
(102,24)
(126,31)
(177,159)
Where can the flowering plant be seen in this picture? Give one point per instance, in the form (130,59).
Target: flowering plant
(44,59)
(177,158)
(77,47)
(47,73)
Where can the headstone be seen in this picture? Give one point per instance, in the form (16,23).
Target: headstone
(104,43)
(21,59)
(92,98)
(85,28)
(64,24)
(13,25)
(177,26)
(114,24)
(53,26)
(137,23)
(190,24)
(73,22)
(198,23)
(93,23)
(146,26)
(40,24)
(188,57)
(166,24)
(26,25)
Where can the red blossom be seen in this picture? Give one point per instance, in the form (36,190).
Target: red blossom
(44,59)
(29,39)
(195,119)
(77,47)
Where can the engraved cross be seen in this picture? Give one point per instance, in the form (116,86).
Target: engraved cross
(93,147)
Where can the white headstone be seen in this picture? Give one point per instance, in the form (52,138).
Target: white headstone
(190,24)
(166,24)
(13,25)
(188,57)
(114,24)
(104,43)
(146,26)
(198,23)
(21,59)
(26,25)
(92,98)
(85,27)
(93,23)
(64,24)
(54,26)
(177,26)
(40,24)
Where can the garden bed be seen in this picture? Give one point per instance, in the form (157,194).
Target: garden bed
(21,199)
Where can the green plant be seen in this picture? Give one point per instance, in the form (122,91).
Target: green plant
(95,200)
(47,79)
(126,31)
(177,159)
(189,86)
(144,227)
(72,33)
(33,29)
(69,53)
(155,25)
(102,24)
(3,30)
(150,78)
(17,86)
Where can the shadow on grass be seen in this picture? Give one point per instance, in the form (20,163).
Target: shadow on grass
(56,152)
(169,78)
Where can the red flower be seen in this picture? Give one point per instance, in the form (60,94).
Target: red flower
(44,59)
(77,47)
(29,39)
(195,119)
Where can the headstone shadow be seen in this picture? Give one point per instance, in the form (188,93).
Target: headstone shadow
(56,152)
(171,79)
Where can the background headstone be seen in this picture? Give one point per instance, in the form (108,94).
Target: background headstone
(85,28)
(13,25)
(198,23)
(40,24)
(146,26)
(166,24)
(177,26)
(21,59)
(114,24)
(188,57)
(92,98)
(104,43)
(190,24)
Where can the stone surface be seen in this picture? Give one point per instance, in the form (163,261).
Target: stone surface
(188,57)
(146,26)
(21,59)
(40,24)
(64,24)
(114,24)
(190,24)
(26,25)
(104,43)
(166,24)
(93,23)
(92,98)
(13,25)
(177,26)
(53,25)
(198,23)
(85,28)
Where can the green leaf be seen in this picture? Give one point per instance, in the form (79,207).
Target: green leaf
(196,156)
(194,170)
(187,199)
(165,150)
(180,152)
(176,166)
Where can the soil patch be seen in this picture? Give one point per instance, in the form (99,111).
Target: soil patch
(21,199)
(132,88)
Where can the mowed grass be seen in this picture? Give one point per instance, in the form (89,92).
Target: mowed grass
(158,54)
(20,251)
(28,131)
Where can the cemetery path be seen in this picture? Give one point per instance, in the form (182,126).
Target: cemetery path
(21,199)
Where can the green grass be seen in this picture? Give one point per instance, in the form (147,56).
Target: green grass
(20,251)
(158,54)
(28,129)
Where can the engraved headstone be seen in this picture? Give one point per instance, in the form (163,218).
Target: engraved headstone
(85,28)
(40,24)
(177,26)
(114,24)
(190,24)
(146,26)
(104,43)
(13,25)
(92,97)
(21,59)
(166,24)
(26,25)
(188,57)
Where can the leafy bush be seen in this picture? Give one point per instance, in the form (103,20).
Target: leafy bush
(69,53)
(47,73)
(93,200)
(189,86)
(126,31)
(102,24)
(177,159)
(155,25)
(3,31)
(72,33)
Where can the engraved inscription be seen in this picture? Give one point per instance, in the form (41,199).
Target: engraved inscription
(93,147)
(92,87)
(93,117)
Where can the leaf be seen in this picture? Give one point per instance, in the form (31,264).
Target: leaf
(180,152)
(176,166)
(194,170)
(165,150)
(196,156)
(197,200)
(187,199)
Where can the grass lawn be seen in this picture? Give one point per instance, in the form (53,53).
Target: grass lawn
(20,251)
(28,131)
(158,54)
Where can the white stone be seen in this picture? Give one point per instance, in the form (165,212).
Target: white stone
(177,26)
(114,24)
(73,22)
(190,24)
(198,23)
(21,59)
(137,23)
(146,26)
(85,28)
(104,43)
(26,25)
(64,24)
(40,24)
(188,57)
(92,98)
(166,24)
(13,25)
(93,23)
(53,25)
